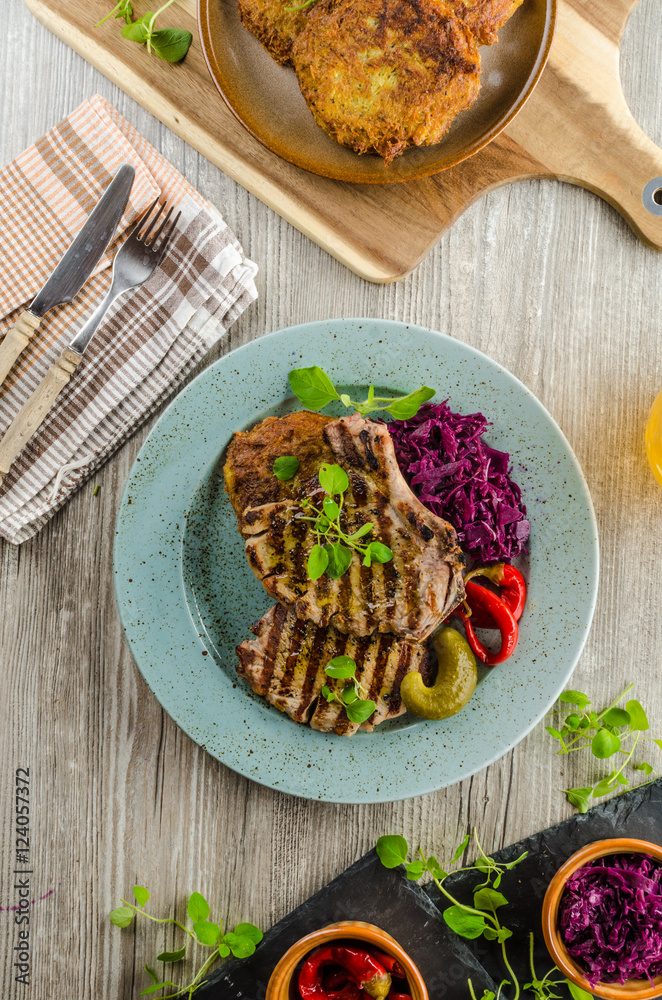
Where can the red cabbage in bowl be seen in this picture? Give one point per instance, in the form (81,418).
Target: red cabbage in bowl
(610,918)
(460,478)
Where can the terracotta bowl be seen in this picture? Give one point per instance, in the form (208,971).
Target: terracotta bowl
(282,984)
(633,989)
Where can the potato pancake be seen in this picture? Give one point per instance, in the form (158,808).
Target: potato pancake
(383,75)
(274,24)
(485,17)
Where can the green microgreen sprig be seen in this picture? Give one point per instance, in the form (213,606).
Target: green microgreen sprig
(315,390)
(332,551)
(170,44)
(123,9)
(480,920)
(241,942)
(604,734)
(352,696)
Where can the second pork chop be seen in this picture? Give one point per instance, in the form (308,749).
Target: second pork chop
(286,661)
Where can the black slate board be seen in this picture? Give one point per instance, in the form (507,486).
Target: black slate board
(367,891)
(633,814)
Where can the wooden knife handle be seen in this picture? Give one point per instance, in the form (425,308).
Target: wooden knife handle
(16,340)
(33,412)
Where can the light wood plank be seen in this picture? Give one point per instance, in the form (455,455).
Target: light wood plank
(576,126)
(544,277)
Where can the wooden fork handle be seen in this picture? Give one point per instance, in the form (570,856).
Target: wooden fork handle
(33,412)
(16,340)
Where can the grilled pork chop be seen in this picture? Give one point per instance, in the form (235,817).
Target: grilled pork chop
(408,596)
(285,664)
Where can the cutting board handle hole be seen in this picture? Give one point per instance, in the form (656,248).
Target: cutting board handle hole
(652,196)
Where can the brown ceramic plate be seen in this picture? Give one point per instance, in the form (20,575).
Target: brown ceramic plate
(266,99)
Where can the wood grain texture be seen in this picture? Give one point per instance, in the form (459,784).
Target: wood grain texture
(542,276)
(576,126)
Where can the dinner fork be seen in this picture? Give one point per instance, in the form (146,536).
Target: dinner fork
(135,262)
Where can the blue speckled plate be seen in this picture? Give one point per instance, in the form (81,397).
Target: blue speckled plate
(187,596)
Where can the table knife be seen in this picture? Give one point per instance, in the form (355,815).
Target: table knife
(74,269)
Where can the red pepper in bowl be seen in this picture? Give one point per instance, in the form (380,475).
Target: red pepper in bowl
(363,970)
(512,591)
(390,964)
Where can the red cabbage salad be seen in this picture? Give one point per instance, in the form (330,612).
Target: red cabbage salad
(462,479)
(610,918)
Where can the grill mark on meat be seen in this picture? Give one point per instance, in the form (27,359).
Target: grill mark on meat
(371,458)
(402,668)
(273,645)
(298,562)
(292,655)
(344,445)
(359,489)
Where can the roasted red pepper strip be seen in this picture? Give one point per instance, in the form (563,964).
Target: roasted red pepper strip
(362,969)
(399,996)
(390,964)
(512,592)
(501,615)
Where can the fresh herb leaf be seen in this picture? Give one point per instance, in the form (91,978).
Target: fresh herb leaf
(340,667)
(616,717)
(360,710)
(467,925)
(121,916)
(318,560)
(643,766)
(461,849)
(605,786)
(488,899)
(198,907)
(576,992)
(340,558)
(579,797)
(575,698)
(415,870)
(207,932)
(249,931)
(155,987)
(136,31)
(392,850)
(172,956)
(638,718)
(605,744)
(380,552)
(242,947)
(333,479)
(313,387)
(285,467)
(152,975)
(171,44)
(408,406)
(141,895)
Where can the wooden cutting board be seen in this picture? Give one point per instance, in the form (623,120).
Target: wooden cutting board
(575,127)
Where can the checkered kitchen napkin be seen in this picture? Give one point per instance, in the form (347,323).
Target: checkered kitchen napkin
(150,339)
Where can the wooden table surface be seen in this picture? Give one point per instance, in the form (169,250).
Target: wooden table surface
(545,278)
